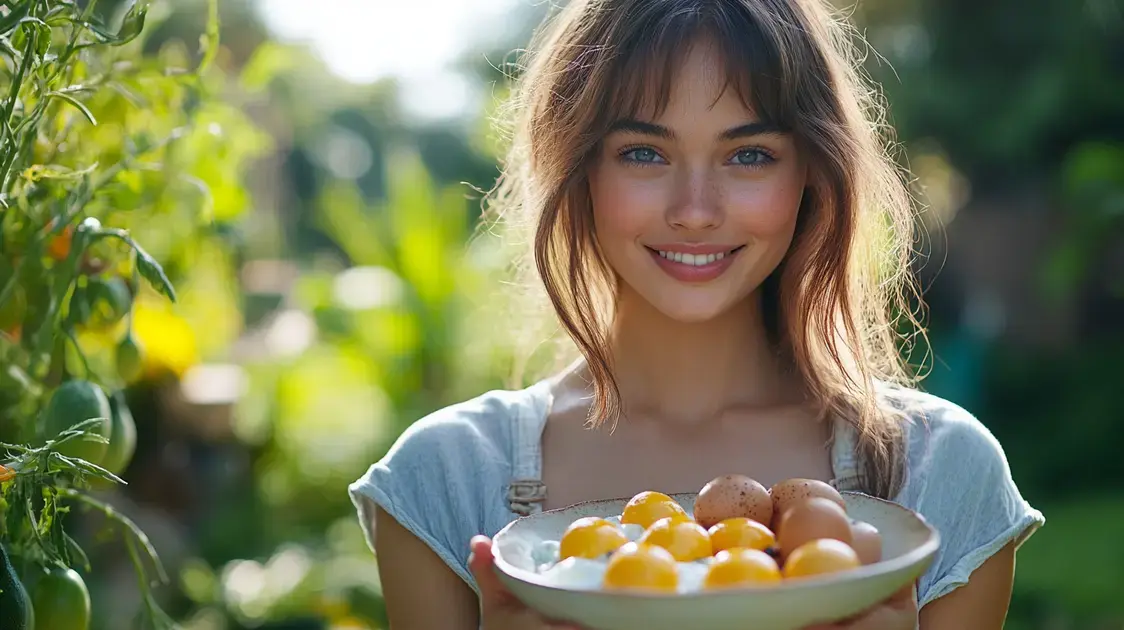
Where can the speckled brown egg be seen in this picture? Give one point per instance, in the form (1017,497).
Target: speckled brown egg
(812,519)
(867,542)
(733,496)
(786,493)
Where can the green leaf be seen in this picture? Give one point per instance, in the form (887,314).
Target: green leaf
(21,21)
(153,272)
(133,24)
(44,43)
(7,48)
(146,264)
(75,551)
(75,102)
(209,40)
(90,468)
(13,20)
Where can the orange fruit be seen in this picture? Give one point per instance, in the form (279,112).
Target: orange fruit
(641,567)
(590,537)
(58,247)
(741,532)
(740,566)
(820,557)
(686,540)
(647,507)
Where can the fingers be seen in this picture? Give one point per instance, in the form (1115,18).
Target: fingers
(492,591)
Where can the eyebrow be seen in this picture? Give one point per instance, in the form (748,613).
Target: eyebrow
(652,129)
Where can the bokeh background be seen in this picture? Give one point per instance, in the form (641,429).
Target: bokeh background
(331,298)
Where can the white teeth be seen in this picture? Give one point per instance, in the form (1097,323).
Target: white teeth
(695,260)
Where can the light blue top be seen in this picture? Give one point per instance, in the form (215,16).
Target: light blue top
(447,478)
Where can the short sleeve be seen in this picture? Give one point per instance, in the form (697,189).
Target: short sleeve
(960,481)
(434,481)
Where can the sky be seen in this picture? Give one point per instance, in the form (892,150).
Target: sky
(413,40)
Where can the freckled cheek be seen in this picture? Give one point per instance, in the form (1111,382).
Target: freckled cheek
(626,209)
(765,210)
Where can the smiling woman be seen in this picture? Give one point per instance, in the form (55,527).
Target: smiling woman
(720,230)
(710,193)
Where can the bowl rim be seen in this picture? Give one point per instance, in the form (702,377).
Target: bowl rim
(921,554)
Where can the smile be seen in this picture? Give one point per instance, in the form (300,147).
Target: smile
(695,260)
(703,264)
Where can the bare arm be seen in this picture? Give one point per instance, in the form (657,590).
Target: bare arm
(421,592)
(982,603)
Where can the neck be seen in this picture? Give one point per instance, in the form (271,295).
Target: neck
(692,373)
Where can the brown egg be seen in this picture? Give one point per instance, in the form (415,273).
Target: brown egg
(812,519)
(866,541)
(784,493)
(732,496)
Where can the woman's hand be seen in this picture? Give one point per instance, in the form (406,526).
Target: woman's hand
(899,612)
(499,609)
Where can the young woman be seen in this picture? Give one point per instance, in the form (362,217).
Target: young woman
(722,234)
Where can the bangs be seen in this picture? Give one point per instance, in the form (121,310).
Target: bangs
(661,33)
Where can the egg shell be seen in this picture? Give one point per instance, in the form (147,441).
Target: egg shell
(785,493)
(812,519)
(867,542)
(731,496)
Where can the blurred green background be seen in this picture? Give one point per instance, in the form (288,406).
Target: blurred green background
(331,300)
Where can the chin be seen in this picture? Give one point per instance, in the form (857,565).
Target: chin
(692,310)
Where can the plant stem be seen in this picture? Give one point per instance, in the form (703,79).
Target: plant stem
(10,106)
(111,513)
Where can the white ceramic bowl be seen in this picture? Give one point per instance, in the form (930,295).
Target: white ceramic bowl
(908,547)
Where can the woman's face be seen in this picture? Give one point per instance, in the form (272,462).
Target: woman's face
(695,209)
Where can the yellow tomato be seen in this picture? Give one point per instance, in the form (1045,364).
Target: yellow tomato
(741,567)
(646,508)
(741,532)
(641,567)
(590,537)
(686,540)
(819,557)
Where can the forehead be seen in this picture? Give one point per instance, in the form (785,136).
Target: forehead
(705,57)
(699,86)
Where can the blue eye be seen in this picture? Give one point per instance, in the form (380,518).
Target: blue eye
(642,155)
(752,157)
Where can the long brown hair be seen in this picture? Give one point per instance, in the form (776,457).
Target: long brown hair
(839,304)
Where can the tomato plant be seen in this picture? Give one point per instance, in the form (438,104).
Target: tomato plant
(92,144)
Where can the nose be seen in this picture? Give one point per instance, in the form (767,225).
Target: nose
(695,204)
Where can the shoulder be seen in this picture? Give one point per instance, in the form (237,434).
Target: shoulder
(459,459)
(940,432)
(959,479)
(485,425)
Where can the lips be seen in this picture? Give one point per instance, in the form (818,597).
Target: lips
(703,264)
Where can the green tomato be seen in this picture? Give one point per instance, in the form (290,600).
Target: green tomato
(122,436)
(107,301)
(61,601)
(128,359)
(71,403)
